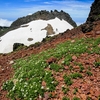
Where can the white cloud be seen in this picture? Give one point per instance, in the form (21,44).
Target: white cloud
(47,3)
(5,22)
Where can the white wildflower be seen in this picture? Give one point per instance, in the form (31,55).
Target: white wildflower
(42,87)
(47,88)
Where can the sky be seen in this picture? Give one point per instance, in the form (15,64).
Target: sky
(10,10)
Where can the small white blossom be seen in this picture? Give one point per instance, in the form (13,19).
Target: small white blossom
(47,88)
(30,98)
(52,82)
(3,69)
(62,85)
(42,87)
(40,96)
(35,91)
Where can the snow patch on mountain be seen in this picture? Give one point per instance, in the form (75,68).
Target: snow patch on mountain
(33,30)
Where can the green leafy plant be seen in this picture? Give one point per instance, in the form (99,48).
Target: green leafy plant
(76,98)
(8,85)
(65,98)
(89,73)
(89,68)
(65,89)
(81,68)
(97,64)
(68,80)
(27,81)
(88,98)
(75,91)
(70,68)
(51,83)
(55,67)
(68,59)
(76,75)
(78,47)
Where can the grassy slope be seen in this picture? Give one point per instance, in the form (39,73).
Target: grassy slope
(36,76)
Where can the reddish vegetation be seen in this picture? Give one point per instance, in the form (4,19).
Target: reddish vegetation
(51,60)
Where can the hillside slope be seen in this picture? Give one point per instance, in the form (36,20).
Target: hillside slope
(64,67)
(87,58)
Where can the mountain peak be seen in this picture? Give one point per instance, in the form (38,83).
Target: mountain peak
(44,15)
(94,14)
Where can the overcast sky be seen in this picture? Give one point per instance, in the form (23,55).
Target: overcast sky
(10,10)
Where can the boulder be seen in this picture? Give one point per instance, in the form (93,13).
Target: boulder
(30,39)
(94,15)
(49,29)
(17,45)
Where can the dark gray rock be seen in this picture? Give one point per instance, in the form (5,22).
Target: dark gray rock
(17,46)
(44,15)
(87,27)
(94,15)
(30,39)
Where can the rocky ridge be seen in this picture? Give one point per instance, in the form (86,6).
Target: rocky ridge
(94,15)
(44,15)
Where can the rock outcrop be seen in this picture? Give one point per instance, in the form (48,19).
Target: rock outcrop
(49,29)
(94,15)
(17,45)
(44,15)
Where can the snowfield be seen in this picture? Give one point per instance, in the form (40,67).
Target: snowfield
(31,30)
